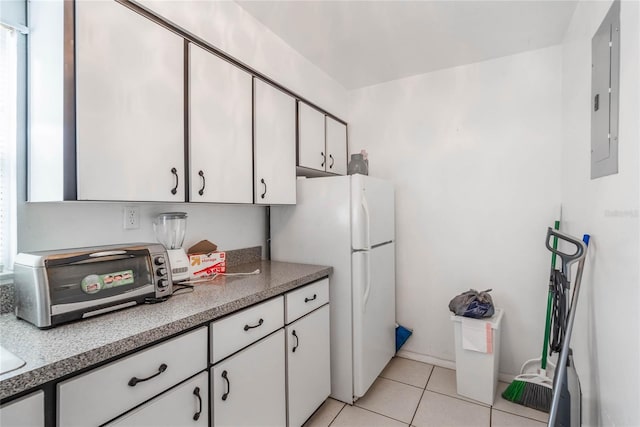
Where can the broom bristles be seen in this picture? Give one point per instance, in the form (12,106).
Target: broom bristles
(529,394)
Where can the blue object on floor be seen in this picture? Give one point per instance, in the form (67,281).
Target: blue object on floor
(402,335)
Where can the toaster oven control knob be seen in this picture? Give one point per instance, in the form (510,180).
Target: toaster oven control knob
(161,271)
(159,260)
(163,283)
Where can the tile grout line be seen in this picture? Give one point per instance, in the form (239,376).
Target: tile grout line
(521,416)
(403,383)
(490,415)
(422,395)
(462,399)
(344,405)
(382,415)
(417,406)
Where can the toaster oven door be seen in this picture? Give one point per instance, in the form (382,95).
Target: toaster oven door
(83,283)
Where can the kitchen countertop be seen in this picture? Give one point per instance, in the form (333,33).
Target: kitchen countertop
(53,353)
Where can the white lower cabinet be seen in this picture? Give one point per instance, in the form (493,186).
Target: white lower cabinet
(185,405)
(248,388)
(308,367)
(24,412)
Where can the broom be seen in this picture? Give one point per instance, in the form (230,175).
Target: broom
(535,390)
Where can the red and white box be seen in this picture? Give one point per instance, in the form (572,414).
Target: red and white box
(207,265)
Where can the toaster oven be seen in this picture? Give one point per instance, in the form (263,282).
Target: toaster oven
(53,287)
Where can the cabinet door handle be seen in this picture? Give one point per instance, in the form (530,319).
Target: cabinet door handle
(332,161)
(196,392)
(174,171)
(265,188)
(134,380)
(247,327)
(226,393)
(311,299)
(297,340)
(201,191)
(324,158)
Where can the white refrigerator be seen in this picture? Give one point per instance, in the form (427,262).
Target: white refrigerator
(347,222)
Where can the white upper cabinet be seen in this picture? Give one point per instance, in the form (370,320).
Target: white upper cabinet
(220,155)
(129,106)
(322,141)
(274,145)
(336,147)
(311,149)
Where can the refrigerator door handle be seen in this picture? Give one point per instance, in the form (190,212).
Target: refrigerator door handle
(367,222)
(367,279)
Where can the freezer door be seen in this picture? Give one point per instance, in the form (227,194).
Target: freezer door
(372,212)
(373,314)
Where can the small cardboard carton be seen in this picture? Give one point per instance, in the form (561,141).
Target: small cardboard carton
(205,260)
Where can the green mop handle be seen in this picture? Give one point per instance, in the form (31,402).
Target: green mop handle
(547,326)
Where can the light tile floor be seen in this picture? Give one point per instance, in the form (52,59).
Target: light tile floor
(410,393)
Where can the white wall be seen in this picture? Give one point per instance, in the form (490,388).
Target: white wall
(230,28)
(474,154)
(43,226)
(607,333)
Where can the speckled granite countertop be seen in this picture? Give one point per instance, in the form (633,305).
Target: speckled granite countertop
(54,353)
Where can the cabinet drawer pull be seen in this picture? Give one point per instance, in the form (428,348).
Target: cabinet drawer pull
(201,191)
(226,393)
(247,327)
(332,161)
(297,340)
(324,158)
(174,171)
(265,188)
(196,392)
(134,380)
(311,299)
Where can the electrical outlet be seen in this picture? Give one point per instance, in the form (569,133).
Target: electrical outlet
(131,218)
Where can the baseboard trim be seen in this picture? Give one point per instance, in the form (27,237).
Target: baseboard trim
(448,364)
(443,363)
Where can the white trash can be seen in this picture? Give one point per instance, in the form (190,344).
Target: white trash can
(477,356)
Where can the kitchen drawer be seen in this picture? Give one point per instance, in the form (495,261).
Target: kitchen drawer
(237,331)
(103,393)
(306,299)
(185,405)
(28,411)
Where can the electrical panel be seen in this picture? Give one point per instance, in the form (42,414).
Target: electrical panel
(605,89)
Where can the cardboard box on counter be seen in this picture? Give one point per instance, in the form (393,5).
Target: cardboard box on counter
(205,260)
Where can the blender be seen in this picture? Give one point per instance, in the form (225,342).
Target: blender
(170,228)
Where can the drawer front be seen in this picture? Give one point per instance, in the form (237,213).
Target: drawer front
(237,331)
(27,411)
(102,394)
(185,405)
(306,299)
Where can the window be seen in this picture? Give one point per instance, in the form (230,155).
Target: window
(8,140)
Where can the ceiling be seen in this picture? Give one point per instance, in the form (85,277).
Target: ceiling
(361,43)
